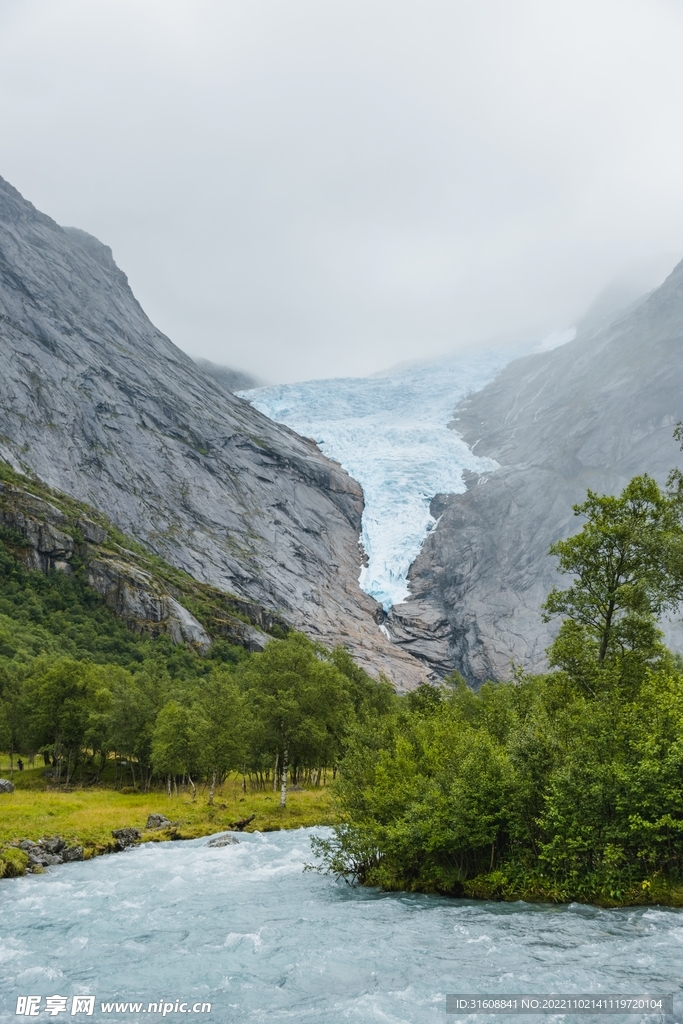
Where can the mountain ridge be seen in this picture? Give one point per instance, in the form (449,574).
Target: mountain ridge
(99,404)
(592,413)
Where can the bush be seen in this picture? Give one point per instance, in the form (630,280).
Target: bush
(13,863)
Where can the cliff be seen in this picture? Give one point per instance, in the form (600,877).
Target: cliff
(593,413)
(48,531)
(98,403)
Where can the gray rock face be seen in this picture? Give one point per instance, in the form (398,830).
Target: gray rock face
(38,523)
(593,413)
(98,403)
(92,532)
(132,594)
(6,786)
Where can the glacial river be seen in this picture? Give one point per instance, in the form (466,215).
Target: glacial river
(244,928)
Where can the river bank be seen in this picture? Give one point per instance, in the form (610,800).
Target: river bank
(87,818)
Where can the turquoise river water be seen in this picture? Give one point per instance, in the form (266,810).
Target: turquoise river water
(245,929)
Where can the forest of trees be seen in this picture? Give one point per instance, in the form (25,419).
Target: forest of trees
(78,688)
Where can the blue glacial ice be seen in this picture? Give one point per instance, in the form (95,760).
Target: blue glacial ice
(390,433)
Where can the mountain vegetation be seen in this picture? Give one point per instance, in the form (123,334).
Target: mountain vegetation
(566,785)
(80,687)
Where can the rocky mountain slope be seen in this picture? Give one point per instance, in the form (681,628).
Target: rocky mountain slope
(99,404)
(47,530)
(592,413)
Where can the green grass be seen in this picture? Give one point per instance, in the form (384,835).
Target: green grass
(86,817)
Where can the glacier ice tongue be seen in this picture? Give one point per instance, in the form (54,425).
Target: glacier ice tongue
(391,433)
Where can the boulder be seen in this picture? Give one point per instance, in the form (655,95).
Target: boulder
(53,845)
(6,786)
(226,840)
(158,821)
(49,859)
(37,858)
(50,851)
(126,836)
(72,853)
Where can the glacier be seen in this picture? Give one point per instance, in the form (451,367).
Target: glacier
(390,432)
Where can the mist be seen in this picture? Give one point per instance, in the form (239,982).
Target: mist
(303,190)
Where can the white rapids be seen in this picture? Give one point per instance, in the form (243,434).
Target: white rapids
(243,929)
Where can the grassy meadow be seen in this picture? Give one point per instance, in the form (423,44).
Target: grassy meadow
(87,817)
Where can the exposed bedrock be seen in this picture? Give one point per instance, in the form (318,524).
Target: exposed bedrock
(593,413)
(133,594)
(99,404)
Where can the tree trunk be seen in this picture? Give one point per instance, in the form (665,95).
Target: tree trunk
(605,636)
(244,778)
(277,758)
(175,785)
(194,788)
(168,785)
(283,787)
(212,787)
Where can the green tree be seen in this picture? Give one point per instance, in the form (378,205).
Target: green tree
(300,704)
(623,563)
(222,727)
(13,733)
(135,701)
(57,706)
(176,741)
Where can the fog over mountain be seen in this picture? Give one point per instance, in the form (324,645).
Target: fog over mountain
(99,403)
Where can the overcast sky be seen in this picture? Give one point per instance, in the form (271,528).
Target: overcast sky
(306,188)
